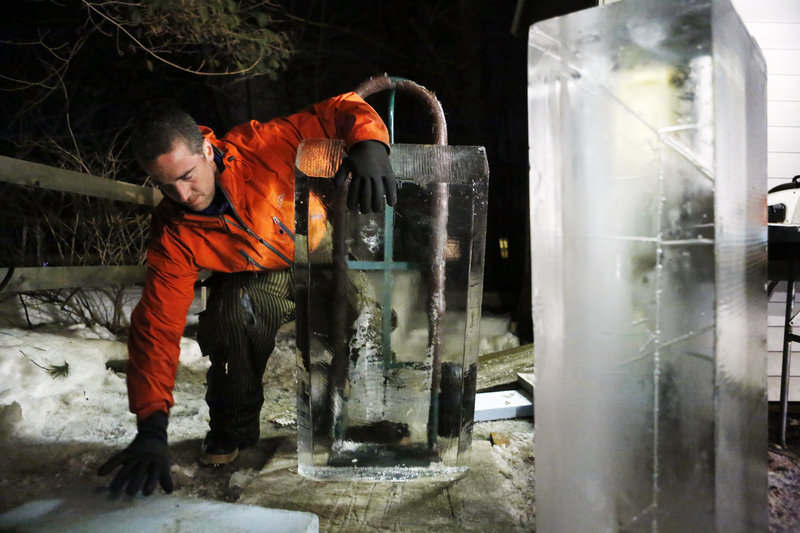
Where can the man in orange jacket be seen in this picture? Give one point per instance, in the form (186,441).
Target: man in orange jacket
(228,208)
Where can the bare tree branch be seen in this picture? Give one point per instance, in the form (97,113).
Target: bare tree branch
(152,52)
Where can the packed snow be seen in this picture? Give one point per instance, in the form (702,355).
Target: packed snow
(67,382)
(64,410)
(60,383)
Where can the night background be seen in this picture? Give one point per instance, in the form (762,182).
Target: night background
(74,73)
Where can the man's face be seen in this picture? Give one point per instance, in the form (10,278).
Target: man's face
(185,177)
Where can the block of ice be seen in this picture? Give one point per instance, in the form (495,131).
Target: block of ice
(647,125)
(85,512)
(388,315)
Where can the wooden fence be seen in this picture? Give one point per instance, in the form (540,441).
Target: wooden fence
(21,172)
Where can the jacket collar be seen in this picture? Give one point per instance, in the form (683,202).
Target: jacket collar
(228,165)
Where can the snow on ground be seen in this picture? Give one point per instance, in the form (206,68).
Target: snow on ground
(66,383)
(64,411)
(58,385)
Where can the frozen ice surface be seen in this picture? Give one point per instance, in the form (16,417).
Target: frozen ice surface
(647,132)
(388,316)
(94,513)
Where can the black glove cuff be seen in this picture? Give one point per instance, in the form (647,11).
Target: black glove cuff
(369,146)
(154,425)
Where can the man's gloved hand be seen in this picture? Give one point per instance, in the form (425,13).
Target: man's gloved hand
(373,177)
(145,461)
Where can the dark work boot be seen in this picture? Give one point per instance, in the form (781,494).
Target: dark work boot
(219,448)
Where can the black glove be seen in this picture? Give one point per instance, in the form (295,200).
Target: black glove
(145,461)
(368,162)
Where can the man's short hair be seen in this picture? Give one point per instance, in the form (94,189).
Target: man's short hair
(157,129)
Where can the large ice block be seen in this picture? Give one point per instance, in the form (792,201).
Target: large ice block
(647,123)
(388,315)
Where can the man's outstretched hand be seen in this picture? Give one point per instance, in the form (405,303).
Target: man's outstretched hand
(372,177)
(145,461)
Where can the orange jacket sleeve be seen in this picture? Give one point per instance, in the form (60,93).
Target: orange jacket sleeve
(352,119)
(347,117)
(157,324)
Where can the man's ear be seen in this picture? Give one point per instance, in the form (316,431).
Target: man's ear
(208,149)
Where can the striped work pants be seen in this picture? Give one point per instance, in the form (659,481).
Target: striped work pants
(237,332)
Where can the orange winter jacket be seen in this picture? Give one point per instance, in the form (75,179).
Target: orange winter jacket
(258,181)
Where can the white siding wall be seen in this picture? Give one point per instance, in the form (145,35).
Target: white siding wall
(775,25)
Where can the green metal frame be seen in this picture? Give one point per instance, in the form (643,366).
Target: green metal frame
(436,301)
(388,265)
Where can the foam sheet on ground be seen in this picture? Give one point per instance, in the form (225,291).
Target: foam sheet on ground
(96,512)
(500,405)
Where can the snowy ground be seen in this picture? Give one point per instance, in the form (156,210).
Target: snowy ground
(63,411)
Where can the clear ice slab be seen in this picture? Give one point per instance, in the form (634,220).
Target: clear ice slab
(647,126)
(388,315)
(84,510)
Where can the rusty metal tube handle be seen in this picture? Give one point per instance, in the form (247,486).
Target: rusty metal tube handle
(384,82)
(437,300)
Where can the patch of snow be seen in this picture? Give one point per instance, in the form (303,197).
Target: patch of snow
(61,383)
(57,386)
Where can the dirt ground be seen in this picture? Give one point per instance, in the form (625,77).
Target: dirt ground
(784,474)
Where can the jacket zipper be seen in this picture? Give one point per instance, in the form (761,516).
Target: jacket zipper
(289,232)
(252,261)
(241,224)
